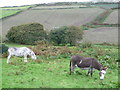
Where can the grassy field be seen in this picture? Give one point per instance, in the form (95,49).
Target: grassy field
(5,13)
(19,7)
(8,11)
(52,71)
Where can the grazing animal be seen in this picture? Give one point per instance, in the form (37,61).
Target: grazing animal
(87,63)
(19,52)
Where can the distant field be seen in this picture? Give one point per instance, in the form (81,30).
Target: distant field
(21,7)
(60,7)
(107,5)
(53,18)
(112,18)
(8,11)
(101,35)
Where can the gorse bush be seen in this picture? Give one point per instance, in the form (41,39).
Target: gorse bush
(26,33)
(66,35)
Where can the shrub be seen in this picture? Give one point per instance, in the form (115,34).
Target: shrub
(26,33)
(3,48)
(66,35)
(86,45)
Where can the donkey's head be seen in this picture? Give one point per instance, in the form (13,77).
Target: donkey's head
(102,72)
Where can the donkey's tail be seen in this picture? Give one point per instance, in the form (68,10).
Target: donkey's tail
(70,67)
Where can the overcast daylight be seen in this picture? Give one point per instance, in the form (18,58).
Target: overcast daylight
(29,2)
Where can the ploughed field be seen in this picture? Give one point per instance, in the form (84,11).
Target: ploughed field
(52,18)
(113,18)
(101,35)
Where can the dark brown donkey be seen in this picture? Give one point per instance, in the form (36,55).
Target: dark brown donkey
(87,63)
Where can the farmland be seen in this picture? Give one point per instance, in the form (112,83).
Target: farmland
(52,18)
(51,70)
(112,18)
(8,11)
(101,35)
(108,6)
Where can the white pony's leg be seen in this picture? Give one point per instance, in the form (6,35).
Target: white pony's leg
(25,58)
(8,58)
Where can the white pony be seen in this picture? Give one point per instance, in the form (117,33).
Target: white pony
(19,52)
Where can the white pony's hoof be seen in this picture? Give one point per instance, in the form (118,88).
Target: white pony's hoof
(7,62)
(25,61)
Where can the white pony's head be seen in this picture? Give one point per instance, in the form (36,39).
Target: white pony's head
(33,56)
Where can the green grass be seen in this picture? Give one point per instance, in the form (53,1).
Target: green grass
(53,72)
(21,7)
(9,11)
(6,13)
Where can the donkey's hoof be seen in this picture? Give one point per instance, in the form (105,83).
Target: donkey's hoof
(86,74)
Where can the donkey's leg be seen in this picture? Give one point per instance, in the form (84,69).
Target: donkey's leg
(25,58)
(72,68)
(89,70)
(8,58)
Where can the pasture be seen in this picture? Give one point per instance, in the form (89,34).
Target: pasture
(52,71)
(5,13)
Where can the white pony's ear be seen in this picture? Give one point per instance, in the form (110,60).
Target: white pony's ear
(106,68)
